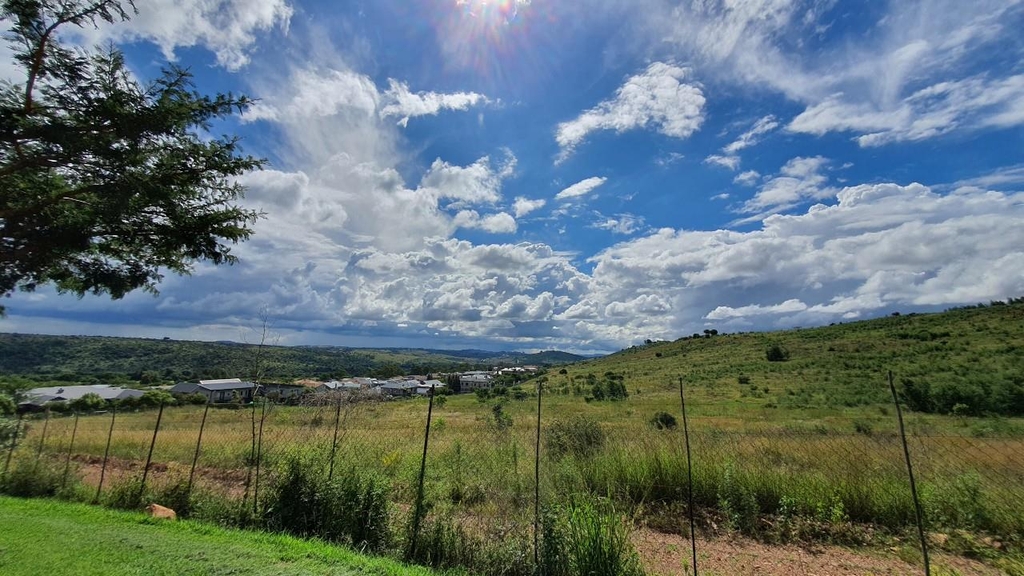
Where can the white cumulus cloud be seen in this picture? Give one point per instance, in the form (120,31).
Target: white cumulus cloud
(658,98)
(405,104)
(524,206)
(581,188)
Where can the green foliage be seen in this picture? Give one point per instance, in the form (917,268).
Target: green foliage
(97,541)
(7,405)
(500,420)
(109,183)
(579,436)
(777,353)
(29,361)
(128,494)
(90,402)
(664,421)
(584,538)
(351,508)
(611,387)
(154,398)
(28,478)
(8,428)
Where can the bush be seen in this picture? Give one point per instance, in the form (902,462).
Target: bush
(28,478)
(664,421)
(579,436)
(776,353)
(588,539)
(154,398)
(352,508)
(128,494)
(7,406)
(88,403)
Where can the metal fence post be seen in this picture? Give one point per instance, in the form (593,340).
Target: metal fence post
(71,448)
(259,458)
(418,511)
(149,457)
(106,453)
(689,478)
(910,472)
(42,439)
(14,444)
(536,487)
(334,443)
(199,442)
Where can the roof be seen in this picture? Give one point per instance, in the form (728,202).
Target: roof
(430,383)
(405,385)
(185,388)
(52,393)
(233,384)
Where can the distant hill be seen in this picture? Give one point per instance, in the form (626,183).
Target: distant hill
(967,361)
(94,358)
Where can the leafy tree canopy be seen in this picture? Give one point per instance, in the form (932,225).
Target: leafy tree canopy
(106,182)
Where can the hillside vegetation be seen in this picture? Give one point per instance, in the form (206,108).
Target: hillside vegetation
(967,361)
(109,360)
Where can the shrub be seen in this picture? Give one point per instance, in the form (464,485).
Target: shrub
(28,478)
(351,508)
(588,539)
(90,402)
(776,353)
(664,421)
(7,406)
(157,397)
(442,543)
(862,427)
(128,494)
(579,436)
(743,380)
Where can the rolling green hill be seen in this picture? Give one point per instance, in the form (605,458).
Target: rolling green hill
(968,361)
(91,358)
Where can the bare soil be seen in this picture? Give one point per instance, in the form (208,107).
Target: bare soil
(668,554)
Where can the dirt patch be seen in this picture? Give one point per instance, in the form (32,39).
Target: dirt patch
(231,482)
(667,554)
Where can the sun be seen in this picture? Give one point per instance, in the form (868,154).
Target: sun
(492,12)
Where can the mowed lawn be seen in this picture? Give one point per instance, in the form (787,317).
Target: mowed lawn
(42,537)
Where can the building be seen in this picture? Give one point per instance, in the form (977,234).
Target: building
(470,381)
(425,388)
(399,388)
(218,391)
(39,397)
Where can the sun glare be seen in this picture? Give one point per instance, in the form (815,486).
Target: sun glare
(492,12)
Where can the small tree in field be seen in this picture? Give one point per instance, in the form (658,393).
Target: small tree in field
(777,353)
(106,182)
(90,402)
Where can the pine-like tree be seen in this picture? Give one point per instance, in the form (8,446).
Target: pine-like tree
(106,183)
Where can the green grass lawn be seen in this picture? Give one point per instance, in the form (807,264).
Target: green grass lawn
(40,537)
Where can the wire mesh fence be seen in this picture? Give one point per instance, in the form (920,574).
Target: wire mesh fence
(495,473)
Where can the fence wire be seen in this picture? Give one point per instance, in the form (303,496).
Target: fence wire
(481,472)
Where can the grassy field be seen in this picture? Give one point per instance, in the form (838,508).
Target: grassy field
(801,450)
(46,537)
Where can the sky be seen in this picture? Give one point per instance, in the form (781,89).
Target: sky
(586,175)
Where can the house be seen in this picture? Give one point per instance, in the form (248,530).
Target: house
(347,385)
(398,388)
(39,397)
(471,381)
(282,391)
(218,391)
(427,386)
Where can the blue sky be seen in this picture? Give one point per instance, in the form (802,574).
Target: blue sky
(535,174)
